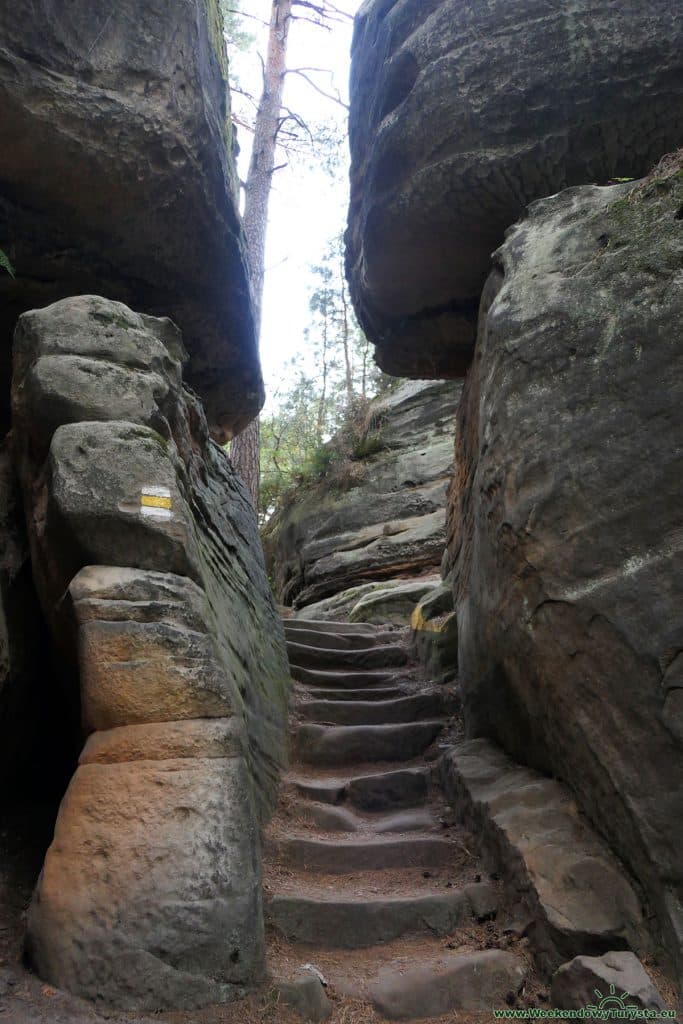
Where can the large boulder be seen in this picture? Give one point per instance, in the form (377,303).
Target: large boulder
(565,534)
(149,570)
(117,177)
(462,112)
(390,522)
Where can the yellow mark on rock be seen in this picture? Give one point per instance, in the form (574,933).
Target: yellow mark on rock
(156,501)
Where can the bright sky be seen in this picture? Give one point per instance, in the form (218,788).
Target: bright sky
(307,206)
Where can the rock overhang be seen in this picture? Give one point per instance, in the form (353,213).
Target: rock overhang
(117,178)
(461,115)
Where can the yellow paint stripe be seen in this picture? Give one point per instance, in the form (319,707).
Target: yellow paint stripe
(151,501)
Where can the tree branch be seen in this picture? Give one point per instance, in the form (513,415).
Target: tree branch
(327,95)
(243,14)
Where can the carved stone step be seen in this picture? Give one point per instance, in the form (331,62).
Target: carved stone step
(303,656)
(347,923)
(385,712)
(383,791)
(344,744)
(363,693)
(343,678)
(470,981)
(344,856)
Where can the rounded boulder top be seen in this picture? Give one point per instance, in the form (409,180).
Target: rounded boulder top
(465,111)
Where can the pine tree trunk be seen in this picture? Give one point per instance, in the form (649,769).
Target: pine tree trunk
(244,449)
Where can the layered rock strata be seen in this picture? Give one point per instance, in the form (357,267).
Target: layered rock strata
(117,177)
(565,524)
(150,575)
(389,524)
(462,114)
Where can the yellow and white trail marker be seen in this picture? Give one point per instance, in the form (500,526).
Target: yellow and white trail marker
(157,502)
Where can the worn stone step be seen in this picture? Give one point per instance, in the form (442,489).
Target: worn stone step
(341,856)
(344,744)
(339,641)
(385,712)
(343,678)
(530,827)
(381,791)
(467,981)
(303,656)
(321,626)
(328,817)
(348,923)
(364,693)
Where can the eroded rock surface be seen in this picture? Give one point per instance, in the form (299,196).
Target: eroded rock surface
(461,114)
(572,888)
(150,574)
(117,177)
(390,524)
(565,529)
(589,981)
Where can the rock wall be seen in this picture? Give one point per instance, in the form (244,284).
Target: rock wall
(565,528)
(332,548)
(461,114)
(564,531)
(150,575)
(117,178)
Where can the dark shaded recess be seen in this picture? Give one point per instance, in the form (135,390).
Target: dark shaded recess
(400,79)
(40,741)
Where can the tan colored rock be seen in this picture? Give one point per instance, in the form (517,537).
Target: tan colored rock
(162,741)
(150,892)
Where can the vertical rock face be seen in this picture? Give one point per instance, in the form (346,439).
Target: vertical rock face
(565,526)
(464,111)
(117,177)
(150,574)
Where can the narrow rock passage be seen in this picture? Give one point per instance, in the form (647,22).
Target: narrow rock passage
(368,878)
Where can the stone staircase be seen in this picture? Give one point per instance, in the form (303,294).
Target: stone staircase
(368,878)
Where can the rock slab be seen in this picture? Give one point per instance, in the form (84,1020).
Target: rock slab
(390,524)
(460,116)
(473,981)
(621,974)
(146,561)
(140,198)
(553,863)
(565,528)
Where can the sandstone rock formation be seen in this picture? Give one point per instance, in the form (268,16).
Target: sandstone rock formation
(149,572)
(464,111)
(577,984)
(390,524)
(117,178)
(565,525)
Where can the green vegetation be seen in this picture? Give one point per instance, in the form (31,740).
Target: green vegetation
(5,263)
(321,427)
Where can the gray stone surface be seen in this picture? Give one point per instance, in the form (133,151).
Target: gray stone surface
(462,114)
(343,744)
(390,524)
(530,831)
(356,924)
(471,981)
(306,994)
(385,602)
(575,984)
(150,894)
(565,531)
(117,177)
